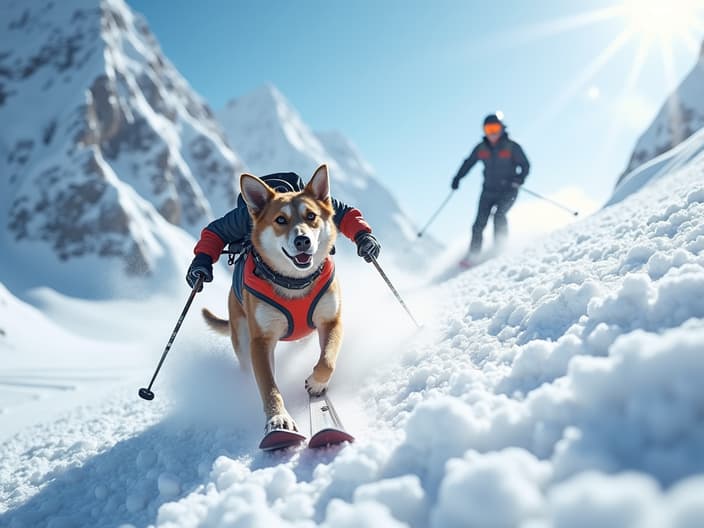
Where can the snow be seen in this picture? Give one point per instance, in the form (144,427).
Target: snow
(555,386)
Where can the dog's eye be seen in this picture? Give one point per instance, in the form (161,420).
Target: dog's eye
(281,220)
(310,217)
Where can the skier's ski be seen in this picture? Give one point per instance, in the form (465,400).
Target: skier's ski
(325,425)
(467,263)
(280,439)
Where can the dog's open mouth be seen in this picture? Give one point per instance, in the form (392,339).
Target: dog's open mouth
(300,260)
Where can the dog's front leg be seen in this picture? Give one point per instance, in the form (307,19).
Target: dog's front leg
(330,336)
(277,417)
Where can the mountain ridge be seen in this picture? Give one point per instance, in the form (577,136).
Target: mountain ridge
(680,116)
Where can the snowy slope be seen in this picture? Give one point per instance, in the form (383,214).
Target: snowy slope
(680,116)
(45,368)
(106,136)
(559,387)
(271,136)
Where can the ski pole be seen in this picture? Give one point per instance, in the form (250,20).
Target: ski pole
(147,393)
(388,282)
(420,233)
(556,204)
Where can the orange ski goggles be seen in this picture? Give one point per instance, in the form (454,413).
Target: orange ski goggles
(492,128)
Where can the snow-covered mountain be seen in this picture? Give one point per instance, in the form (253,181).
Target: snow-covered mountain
(104,146)
(680,116)
(271,136)
(111,156)
(659,167)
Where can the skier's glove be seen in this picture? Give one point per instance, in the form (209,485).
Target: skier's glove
(516,185)
(368,247)
(455,184)
(202,265)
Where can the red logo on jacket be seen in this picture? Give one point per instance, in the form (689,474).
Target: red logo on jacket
(505,154)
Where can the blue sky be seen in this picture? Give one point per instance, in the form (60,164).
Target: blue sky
(409,82)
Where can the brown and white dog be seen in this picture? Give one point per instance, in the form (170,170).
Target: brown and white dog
(292,234)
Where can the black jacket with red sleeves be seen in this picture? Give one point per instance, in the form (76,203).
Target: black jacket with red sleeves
(501,162)
(235,227)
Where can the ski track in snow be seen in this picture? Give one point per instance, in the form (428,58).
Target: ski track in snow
(556,387)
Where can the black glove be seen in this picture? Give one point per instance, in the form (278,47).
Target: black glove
(455,183)
(202,265)
(368,247)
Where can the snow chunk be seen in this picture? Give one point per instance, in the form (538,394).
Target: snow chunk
(436,431)
(493,490)
(593,499)
(541,361)
(556,314)
(146,458)
(362,515)
(169,485)
(695,197)
(135,502)
(638,403)
(403,496)
(684,503)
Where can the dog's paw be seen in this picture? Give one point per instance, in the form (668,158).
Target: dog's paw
(315,388)
(280,421)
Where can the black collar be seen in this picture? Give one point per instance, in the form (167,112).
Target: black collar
(290,283)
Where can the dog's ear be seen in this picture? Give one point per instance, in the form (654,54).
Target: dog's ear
(319,184)
(255,193)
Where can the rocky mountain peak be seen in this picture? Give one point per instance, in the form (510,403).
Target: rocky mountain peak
(106,137)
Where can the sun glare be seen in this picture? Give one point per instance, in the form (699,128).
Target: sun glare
(654,26)
(660,19)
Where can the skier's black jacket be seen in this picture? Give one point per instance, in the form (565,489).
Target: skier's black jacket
(501,162)
(235,227)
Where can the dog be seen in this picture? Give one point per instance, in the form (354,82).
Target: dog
(288,287)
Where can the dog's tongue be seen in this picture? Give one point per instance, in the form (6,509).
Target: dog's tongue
(303,258)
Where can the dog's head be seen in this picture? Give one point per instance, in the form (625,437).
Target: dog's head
(292,231)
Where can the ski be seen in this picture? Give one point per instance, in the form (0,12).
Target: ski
(466,263)
(280,439)
(325,425)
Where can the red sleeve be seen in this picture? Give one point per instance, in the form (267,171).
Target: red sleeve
(352,223)
(210,244)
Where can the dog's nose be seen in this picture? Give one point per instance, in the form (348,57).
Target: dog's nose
(302,243)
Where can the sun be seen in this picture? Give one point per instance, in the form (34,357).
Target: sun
(660,20)
(659,27)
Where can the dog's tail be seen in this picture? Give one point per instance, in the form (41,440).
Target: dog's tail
(222,326)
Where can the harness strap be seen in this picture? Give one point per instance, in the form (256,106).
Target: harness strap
(298,311)
(290,283)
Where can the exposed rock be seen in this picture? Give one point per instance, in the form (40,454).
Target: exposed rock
(680,116)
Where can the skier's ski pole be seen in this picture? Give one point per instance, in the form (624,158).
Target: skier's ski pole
(556,204)
(420,233)
(147,393)
(388,282)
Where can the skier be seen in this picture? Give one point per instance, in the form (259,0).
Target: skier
(505,169)
(236,226)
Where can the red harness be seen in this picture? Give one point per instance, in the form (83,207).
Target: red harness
(298,311)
